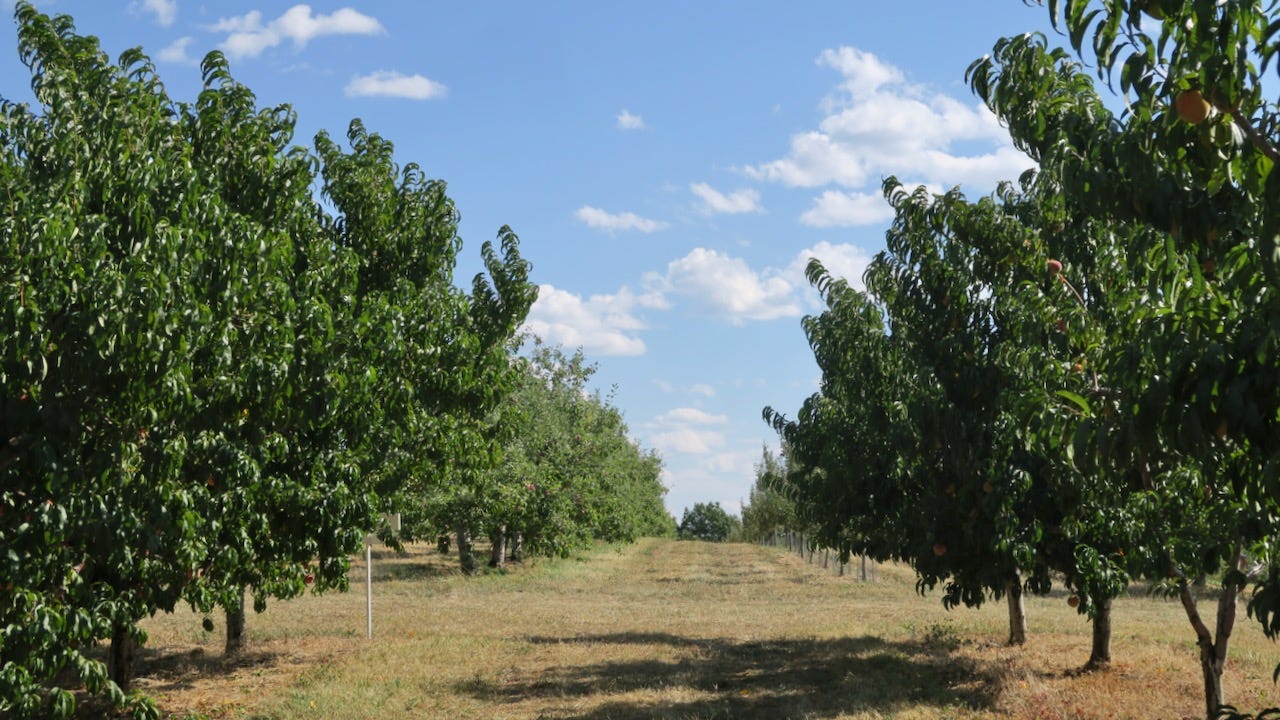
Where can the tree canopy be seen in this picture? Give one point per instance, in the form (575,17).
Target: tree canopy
(1075,374)
(222,355)
(709,522)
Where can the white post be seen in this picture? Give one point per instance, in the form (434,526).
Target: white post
(368,587)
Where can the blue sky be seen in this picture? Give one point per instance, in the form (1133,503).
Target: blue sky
(670,167)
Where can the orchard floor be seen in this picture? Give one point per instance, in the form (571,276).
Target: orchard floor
(681,630)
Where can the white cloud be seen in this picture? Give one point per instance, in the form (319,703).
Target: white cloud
(834,208)
(863,72)
(742,463)
(600,325)
(816,159)
(841,260)
(597,218)
(701,482)
(687,440)
(745,200)
(176,52)
(166,11)
(388,83)
(727,287)
(702,389)
(627,121)
(684,430)
(877,124)
(248,36)
(690,416)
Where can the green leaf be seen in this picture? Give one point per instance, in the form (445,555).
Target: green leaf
(1075,399)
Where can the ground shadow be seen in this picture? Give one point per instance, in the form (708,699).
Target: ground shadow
(417,565)
(810,678)
(169,671)
(391,566)
(165,671)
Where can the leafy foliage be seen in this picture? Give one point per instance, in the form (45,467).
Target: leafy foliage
(211,380)
(709,522)
(769,509)
(1093,350)
(568,473)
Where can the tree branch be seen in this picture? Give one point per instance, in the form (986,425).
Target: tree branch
(1257,138)
(1231,587)
(1204,637)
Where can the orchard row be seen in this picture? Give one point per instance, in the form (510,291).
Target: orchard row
(1078,377)
(223,358)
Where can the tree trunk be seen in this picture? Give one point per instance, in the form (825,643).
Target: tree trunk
(498,548)
(235,627)
(862,568)
(1017,610)
(466,554)
(1100,653)
(517,548)
(120,657)
(442,544)
(1213,653)
(1211,669)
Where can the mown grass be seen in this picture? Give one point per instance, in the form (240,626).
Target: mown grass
(667,629)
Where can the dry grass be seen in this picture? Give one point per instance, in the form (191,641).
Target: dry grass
(681,630)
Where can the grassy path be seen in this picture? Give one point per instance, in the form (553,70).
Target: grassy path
(690,631)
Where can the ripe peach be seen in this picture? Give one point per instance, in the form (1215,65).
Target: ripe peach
(1191,106)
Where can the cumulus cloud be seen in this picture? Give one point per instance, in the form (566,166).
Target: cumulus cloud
(627,121)
(248,36)
(165,11)
(388,83)
(834,208)
(176,52)
(745,200)
(876,124)
(690,441)
(684,430)
(817,159)
(863,72)
(716,284)
(690,416)
(599,324)
(597,218)
(687,440)
(842,260)
(728,288)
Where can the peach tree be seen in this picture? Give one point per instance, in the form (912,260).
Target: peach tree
(212,381)
(567,473)
(942,432)
(1188,167)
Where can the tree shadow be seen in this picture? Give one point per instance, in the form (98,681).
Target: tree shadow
(717,678)
(392,566)
(166,671)
(162,671)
